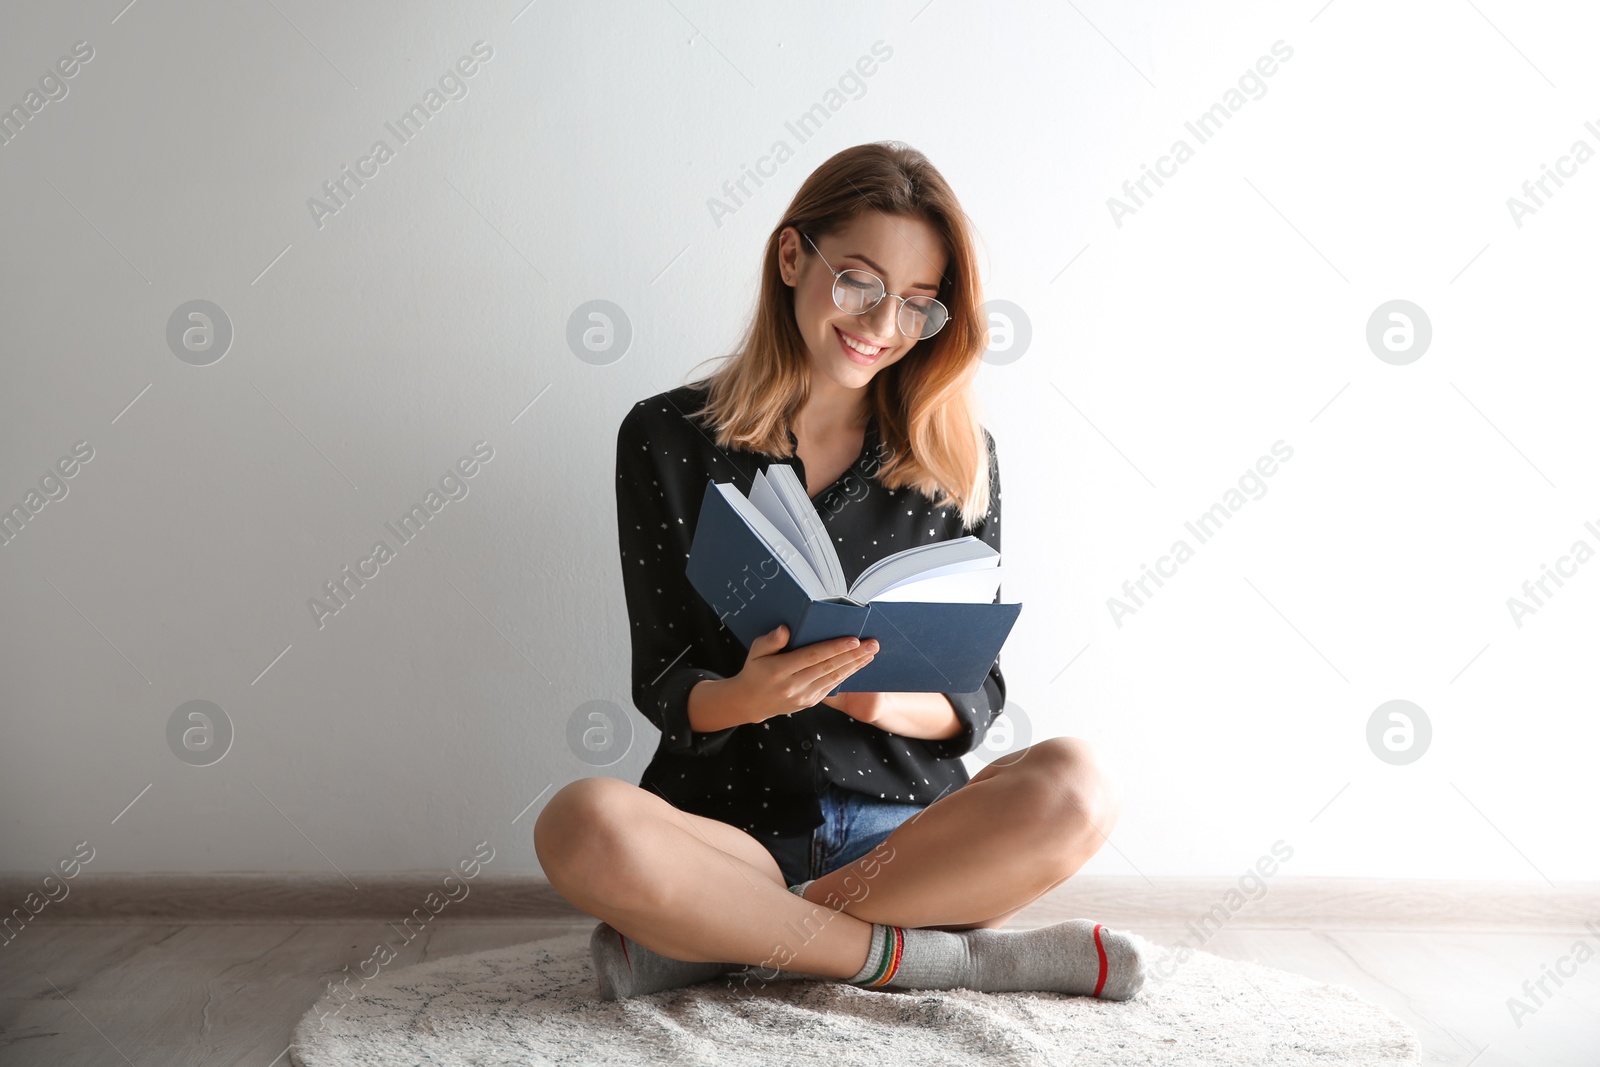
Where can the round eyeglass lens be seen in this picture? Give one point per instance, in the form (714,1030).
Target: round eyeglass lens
(856,292)
(921,317)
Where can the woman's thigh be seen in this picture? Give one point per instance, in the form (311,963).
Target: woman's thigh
(629,803)
(732,840)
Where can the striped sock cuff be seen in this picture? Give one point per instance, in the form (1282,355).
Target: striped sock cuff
(883,956)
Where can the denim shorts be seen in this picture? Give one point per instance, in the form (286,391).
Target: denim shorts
(853,824)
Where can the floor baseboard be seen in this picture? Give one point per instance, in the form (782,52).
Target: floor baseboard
(1273,903)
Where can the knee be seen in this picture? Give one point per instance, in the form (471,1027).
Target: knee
(1076,792)
(581,830)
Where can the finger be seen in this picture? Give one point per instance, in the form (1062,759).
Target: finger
(770,641)
(808,663)
(837,669)
(820,652)
(833,678)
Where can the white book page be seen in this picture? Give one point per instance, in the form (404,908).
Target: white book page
(786,482)
(960,553)
(785,553)
(957,587)
(885,581)
(766,500)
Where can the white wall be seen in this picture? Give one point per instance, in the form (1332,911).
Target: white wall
(1167,353)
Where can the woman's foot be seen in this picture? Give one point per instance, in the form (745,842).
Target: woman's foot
(1079,956)
(628,969)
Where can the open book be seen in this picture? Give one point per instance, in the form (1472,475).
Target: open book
(767,559)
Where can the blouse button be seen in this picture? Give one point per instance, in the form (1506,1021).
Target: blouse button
(805,744)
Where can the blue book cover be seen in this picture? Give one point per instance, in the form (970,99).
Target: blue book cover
(924,646)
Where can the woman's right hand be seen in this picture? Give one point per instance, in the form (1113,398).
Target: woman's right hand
(777,683)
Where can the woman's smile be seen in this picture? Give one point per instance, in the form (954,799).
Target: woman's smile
(858,349)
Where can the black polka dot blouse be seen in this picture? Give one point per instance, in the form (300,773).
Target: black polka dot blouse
(765,777)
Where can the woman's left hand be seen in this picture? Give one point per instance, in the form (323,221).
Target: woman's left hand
(867,707)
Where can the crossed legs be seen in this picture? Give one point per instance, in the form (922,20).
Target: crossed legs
(699,889)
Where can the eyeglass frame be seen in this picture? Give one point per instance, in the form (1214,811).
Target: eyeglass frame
(882,285)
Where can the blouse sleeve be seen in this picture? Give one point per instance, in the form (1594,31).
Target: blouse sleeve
(978,710)
(654,548)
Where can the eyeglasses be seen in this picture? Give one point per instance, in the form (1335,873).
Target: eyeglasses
(856,292)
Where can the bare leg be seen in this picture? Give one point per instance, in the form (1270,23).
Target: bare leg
(685,886)
(978,855)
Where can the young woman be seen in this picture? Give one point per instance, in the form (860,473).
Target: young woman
(778,827)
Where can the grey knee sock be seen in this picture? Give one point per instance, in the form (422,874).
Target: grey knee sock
(628,969)
(1079,957)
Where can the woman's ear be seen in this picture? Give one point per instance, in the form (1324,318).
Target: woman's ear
(786,267)
(789,252)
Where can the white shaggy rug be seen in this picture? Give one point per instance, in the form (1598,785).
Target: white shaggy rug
(538,1003)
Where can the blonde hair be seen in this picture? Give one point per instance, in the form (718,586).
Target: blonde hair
(930,435)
